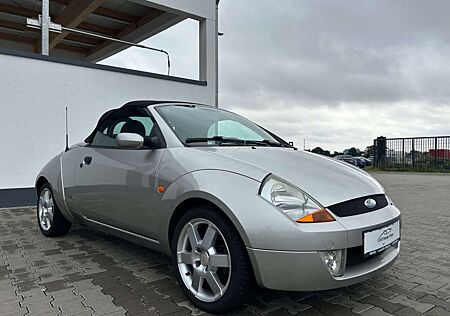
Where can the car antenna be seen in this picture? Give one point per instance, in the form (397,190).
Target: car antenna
(67,132)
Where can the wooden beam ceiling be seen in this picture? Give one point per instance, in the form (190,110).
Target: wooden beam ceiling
(19,11)
(27,13)
(107,13)
(72,15)
(150,15)
(71,37)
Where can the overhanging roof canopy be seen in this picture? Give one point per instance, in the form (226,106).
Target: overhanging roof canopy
(119,19)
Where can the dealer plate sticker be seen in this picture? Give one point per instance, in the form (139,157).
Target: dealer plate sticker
(381,238)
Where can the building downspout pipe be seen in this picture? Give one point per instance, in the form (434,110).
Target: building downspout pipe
(217,55)
(45,27)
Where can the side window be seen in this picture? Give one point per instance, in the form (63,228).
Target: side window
(122,122)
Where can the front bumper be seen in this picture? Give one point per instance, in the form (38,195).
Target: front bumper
(305,271)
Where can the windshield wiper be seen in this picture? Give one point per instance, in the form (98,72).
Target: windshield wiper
(219,139)
(224,139)
(266,142)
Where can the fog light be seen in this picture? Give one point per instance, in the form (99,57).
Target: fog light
(334,260)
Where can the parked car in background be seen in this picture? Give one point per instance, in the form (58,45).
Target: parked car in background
(359,162)
(367,161)
(346,158)
(229,201)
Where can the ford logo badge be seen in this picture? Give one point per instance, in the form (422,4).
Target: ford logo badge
(370,203)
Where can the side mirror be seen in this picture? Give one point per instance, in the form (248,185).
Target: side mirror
(129,140)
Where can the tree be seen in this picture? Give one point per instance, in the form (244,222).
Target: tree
(354,152)
(368,152)
(320,151)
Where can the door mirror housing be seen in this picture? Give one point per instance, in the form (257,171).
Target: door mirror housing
(129,140)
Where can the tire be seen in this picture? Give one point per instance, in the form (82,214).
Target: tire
(50,220)
(218,276)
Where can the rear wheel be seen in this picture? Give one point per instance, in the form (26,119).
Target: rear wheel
(211,261)
(50,220)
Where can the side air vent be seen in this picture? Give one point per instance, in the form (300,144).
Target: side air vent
(358,206)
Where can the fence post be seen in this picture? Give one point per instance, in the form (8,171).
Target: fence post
(380,152)
(403,153)
(413,153)
(375,160)
(435,152)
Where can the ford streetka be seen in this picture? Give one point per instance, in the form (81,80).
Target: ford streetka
(231,202)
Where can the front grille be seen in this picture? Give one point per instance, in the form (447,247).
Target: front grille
(356,256)
(356,206)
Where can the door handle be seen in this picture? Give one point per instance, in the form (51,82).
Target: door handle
(86,161)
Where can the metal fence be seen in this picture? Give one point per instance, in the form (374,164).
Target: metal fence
(416,153)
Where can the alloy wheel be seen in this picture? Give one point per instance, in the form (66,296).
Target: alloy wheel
(46,209)
(204,260)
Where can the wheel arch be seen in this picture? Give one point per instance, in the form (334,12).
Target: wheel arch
(188,204)
(40,181)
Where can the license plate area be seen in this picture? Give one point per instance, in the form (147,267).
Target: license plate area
(381,238)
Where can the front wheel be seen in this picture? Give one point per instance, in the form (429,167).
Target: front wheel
(210,260)
(50,220)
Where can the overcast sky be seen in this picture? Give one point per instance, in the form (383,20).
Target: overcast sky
(336,73)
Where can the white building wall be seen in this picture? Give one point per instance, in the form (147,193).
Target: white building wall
(33,97)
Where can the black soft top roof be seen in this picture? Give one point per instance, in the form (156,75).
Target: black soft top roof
(145,103)
(131,104)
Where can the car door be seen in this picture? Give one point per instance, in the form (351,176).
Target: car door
(117,186)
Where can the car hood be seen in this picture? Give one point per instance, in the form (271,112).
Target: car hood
(327,180)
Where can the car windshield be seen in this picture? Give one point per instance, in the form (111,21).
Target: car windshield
(196,125)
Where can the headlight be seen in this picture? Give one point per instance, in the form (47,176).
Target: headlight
(293,202)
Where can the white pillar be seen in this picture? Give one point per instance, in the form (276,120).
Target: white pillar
(45,25)
(207,53)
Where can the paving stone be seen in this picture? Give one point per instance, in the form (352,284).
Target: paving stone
(12,306)
(167,306)
(407,311)
(437,311)
(321,305)
(375,311)
(52,312)
(103,307)
(135,306)
(436,301)
(94,295)
(8,295)
(355,306)
(418,306)
(291,306)
(74,277)
(54,286)
(63,295)
(84,285)
(39,307)
(73,307)
(386,305)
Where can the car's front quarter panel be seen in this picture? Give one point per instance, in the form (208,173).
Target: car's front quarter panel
(259,223)
(51,173)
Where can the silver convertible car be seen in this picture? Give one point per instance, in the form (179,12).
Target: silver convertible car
(229,201)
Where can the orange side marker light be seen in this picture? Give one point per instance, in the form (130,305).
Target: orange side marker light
(160,189)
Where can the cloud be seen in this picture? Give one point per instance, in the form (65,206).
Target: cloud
(333,52)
